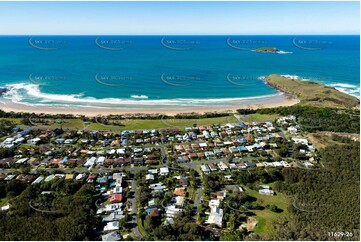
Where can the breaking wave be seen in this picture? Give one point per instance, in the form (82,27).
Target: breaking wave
(30,94)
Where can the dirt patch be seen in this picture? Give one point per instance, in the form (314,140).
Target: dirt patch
(250,224)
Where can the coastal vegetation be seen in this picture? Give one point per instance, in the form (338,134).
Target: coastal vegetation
(114,122)
(73,218)
(312,93)
(314,118)
(324,200)
(149,116)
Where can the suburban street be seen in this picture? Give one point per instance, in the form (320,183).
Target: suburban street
(134,170)
(136,232)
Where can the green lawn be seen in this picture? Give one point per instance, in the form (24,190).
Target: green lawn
(204,121)
(135,124)
(27,146)
(192,193)
(266,218)
(259,117)
(14,120)
(140,226)
(3,201)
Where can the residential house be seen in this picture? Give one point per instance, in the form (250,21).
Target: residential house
(111,226)
(164,171)
(205,169)
(113,236)
(215,216)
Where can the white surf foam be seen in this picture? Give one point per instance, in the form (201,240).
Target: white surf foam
(349,89)
(291,76)
(284,52)
(31,94)
(139,96)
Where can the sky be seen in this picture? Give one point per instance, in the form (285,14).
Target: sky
(177,18)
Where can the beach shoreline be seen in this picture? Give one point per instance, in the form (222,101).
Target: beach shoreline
(95,111)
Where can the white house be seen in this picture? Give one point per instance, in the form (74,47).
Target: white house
(205,169)
(113,236)
(213,203)
(203,145)
(38,180)
(171,211)
(222,166)
(215,217)
(300,141)
(179,201)
(292,129)
(164,171)
(149,177)
(90,162)
(121,151)
(100,160)
(265,190)
(111,226)
(80,176)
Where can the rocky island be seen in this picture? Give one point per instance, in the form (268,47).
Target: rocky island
(267,49)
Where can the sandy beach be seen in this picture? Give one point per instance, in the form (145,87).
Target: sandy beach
(94,111)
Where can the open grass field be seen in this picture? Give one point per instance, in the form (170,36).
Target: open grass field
(134,124)
(141,226)
(258,117)
(14,120)
(266,217)
(313,93)
(3,201)
(321,139)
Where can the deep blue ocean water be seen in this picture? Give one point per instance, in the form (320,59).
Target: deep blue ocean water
(121,70)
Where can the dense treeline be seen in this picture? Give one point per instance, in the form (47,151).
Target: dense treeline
(252,178)
(182,229)
(324,200)
(74,217)
(319,118)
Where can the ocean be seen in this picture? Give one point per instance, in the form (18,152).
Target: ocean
(126,71)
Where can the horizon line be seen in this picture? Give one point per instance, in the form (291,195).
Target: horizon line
(329,34)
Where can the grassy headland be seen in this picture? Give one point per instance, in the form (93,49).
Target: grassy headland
(312,93)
